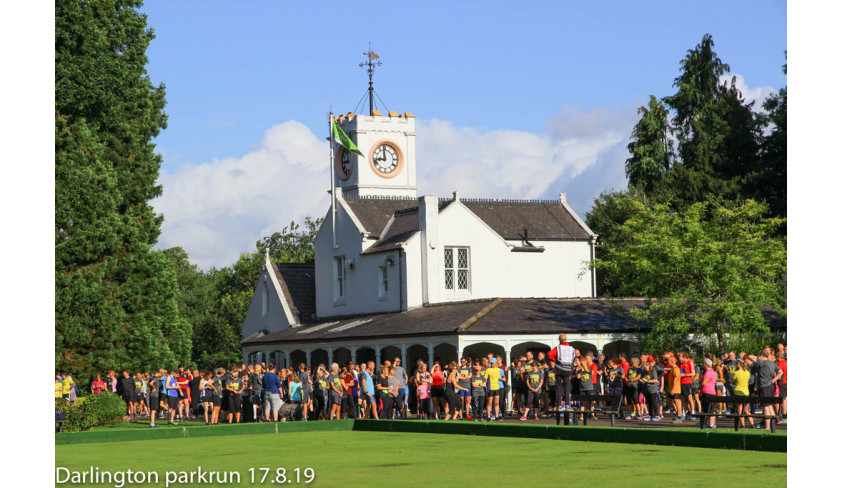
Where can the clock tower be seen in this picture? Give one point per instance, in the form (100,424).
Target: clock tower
(388,143)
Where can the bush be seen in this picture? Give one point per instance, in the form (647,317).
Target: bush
(102,409)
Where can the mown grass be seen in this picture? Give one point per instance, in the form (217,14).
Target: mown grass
(366,459)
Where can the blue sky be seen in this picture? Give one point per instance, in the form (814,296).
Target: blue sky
(560,80)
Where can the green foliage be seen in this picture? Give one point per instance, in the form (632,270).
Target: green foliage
(217,331)
(292,244)
(772,181)
(651,148)
(709,269)
(607,214)
(92,411)
(116,299)
(720,141)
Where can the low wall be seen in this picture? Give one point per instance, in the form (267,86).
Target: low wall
(661,437)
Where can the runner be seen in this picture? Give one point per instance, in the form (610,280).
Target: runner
(533,380)
(272,399)
(781,362)
(423,382)
(492,376)
(478,392)
(709,393)
(172,383)
(335,391)
(464,372)
(152,384)
(437,390)
(206,393)
(235,388)
(563,356)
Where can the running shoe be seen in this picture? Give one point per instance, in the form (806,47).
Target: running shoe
(153,426)
(646,419)
(523,417)
(677,420)
(628,417)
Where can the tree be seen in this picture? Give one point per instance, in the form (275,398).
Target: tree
(772,181)
(116,299)
(718,137)
(708,269)
(217,335)
(292,245)
(651,149)
(608,213)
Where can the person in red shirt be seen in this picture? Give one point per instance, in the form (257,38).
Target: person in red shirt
(563,356)
(782,383)
(183,380)
(687,374)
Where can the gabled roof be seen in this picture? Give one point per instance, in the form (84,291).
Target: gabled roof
(299,288)
(403,226)
(374,213)
(545,220)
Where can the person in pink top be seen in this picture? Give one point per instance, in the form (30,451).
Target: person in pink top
(709,394)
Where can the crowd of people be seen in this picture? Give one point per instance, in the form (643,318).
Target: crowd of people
(475,388)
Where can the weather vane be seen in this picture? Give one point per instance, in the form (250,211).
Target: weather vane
(372,61)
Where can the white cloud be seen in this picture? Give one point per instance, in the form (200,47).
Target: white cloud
(757,94)
(219,209)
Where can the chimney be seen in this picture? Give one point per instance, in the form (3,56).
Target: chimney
(563,198)
(429,228)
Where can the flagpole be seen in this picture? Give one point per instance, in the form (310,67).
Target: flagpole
(333,190)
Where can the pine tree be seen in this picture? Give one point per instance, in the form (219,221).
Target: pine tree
(116,298)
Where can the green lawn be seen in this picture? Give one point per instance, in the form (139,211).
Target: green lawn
(378,459)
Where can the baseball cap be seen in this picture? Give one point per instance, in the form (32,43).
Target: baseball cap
(650,358)
(493,360)
(258,367)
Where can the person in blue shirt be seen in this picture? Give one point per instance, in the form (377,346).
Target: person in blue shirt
(272,385)
(172,382)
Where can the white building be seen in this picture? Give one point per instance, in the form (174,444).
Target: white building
(428,277)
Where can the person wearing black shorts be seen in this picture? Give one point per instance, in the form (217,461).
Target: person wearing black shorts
(126,387)
(235,388)
(152,397)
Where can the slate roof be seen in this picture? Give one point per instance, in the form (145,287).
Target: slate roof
(405,224)
(501,316)
(299,287)
(374,213)
(545,220)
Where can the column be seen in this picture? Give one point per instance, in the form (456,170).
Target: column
(307,357)
(330,357)
(378,362)
(459,349)
(429,356)
(506,353)
(404,357)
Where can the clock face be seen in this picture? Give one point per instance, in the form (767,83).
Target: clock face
(385,158)
(345,164)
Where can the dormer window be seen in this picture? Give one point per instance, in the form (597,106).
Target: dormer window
(457,275)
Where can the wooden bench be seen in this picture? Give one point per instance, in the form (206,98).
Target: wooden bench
(60,419)
(570,414)
(735,400)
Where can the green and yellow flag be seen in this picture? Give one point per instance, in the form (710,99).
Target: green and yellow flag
(344,140)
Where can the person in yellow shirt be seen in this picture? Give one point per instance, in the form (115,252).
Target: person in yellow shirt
(740,380)
(492,377)
(59,388)
(66,385)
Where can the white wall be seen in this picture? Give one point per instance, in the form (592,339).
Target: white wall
(275,319)
(496,271)
(552,273)
(361,289)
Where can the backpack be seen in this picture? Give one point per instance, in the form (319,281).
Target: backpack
(564,358)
